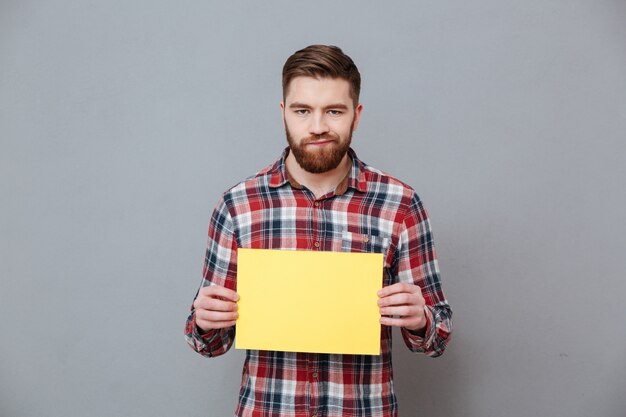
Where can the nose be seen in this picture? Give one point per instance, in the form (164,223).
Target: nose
(318,125)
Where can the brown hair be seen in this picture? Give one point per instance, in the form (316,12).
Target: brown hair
(322,61)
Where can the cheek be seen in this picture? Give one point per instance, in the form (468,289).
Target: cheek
(296,130)
(343,129)
(294,123)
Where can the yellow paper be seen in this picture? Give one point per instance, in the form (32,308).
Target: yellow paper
(306,301)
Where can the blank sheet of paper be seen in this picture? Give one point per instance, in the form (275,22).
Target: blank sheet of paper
(307,301)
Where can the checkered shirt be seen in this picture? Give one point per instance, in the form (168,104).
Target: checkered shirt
(368,212)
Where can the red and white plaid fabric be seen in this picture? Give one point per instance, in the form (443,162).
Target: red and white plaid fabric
(369,212)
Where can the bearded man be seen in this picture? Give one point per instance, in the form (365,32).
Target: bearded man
(320,197)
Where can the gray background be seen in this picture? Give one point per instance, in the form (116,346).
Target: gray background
(122,122)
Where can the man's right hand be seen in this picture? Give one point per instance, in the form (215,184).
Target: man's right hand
(216,308)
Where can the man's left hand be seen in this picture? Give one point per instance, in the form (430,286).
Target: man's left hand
(406,303)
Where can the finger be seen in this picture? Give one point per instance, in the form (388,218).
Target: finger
(399,299)
(401,311)
(214,304)
(206,325)
(216,316)
(398,287)
(214,291)
(400,322)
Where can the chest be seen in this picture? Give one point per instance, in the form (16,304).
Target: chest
(347,223)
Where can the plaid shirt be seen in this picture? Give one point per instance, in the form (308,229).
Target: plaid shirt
(368,212)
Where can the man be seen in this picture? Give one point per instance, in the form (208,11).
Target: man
(319,196)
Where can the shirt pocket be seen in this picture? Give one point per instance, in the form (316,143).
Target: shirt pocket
(357,242)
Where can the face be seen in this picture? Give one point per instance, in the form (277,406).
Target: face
(319,117)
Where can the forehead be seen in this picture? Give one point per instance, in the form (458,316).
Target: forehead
(318,91)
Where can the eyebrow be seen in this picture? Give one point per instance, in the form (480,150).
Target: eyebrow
(297,105)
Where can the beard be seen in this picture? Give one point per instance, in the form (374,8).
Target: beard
(320,160)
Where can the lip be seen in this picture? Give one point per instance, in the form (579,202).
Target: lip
(320,142)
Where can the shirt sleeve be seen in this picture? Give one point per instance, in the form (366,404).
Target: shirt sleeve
(417,264)
(220,268)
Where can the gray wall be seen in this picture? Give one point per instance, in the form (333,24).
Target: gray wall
(122,122)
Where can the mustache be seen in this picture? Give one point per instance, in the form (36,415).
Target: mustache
(317,138)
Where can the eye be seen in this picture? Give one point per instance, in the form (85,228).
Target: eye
(335,112)
(301,112)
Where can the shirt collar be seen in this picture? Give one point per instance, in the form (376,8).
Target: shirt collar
(355,179)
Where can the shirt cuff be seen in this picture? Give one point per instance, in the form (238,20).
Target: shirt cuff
(204,339)
(429,332)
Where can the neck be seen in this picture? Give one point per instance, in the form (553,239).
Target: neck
(321,183)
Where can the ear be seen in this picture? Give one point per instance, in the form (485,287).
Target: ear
(282,110)
(357,116)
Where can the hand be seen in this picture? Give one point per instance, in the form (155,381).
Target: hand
(216,308)
(404,301)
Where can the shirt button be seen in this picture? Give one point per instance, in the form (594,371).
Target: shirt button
(316,244)
(314,375)
(317,204)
